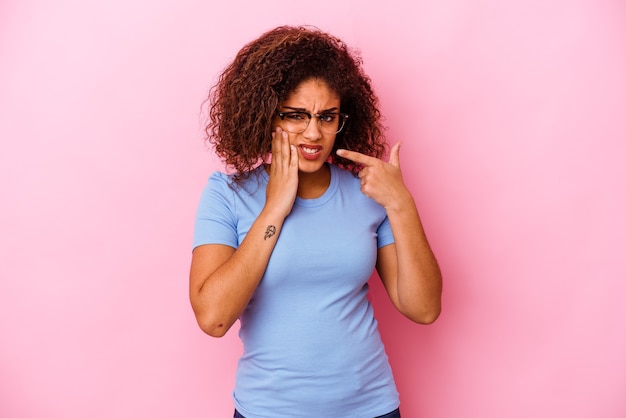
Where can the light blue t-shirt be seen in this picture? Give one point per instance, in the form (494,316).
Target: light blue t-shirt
(311,342)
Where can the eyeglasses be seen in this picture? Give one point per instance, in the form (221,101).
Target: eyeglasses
(297,122)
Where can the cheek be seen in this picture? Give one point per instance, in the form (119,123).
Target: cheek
(293,138)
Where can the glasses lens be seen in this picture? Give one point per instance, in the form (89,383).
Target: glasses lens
(330,122)
(295,122)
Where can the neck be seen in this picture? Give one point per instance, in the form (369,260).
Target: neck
(313,185)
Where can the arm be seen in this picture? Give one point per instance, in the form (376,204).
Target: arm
(408,267)
(222,279)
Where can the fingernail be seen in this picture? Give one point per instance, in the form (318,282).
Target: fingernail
(339,152)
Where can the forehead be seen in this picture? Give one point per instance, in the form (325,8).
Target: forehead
(312,92)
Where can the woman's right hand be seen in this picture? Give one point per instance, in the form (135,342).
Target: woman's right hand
(282,186)
(223,279)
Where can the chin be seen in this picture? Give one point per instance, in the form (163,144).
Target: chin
(310,167)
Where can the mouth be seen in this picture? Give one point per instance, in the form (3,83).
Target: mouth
(310,152)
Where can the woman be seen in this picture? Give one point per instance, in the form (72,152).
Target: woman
(288,241)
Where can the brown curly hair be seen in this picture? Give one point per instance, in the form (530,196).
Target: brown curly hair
(265,72)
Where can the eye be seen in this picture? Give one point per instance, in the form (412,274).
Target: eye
(296,116)
(328,117)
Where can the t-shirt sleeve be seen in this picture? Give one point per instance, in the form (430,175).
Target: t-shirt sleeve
(385,236)
(216,222)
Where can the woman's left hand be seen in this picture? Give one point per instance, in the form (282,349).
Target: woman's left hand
(408,267)
(380,180)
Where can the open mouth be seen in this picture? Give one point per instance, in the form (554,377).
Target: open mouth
(310,152)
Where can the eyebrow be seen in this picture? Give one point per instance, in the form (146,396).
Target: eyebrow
(301,109)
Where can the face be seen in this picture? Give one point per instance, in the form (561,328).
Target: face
(314,144)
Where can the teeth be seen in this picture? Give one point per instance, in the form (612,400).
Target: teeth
(309,150)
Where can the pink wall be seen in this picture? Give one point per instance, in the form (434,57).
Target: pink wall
(513,122)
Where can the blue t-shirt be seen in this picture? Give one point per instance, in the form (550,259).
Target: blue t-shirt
(311,342)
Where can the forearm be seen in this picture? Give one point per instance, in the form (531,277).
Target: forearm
(418,277)
(222,279)
(223,291)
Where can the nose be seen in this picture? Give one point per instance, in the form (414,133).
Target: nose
(313,131)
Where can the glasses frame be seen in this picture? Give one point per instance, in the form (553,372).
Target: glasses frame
(318,116)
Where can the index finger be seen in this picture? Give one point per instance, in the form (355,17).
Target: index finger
(357,157)
(280,146)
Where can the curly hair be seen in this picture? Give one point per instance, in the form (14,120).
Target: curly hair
(265,72)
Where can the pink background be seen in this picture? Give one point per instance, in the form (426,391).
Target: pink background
(513,117)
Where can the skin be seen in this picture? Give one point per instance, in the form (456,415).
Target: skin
(223,279)
(313,175)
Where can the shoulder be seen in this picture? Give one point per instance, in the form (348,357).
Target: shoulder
(218,186)
(220,179)
(223,193)
(237,182)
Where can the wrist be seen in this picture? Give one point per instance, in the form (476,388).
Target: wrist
(400,203)
(270,215)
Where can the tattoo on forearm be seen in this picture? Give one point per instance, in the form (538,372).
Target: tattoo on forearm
(269,232)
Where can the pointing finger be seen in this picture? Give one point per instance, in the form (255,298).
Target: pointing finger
(357,157)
